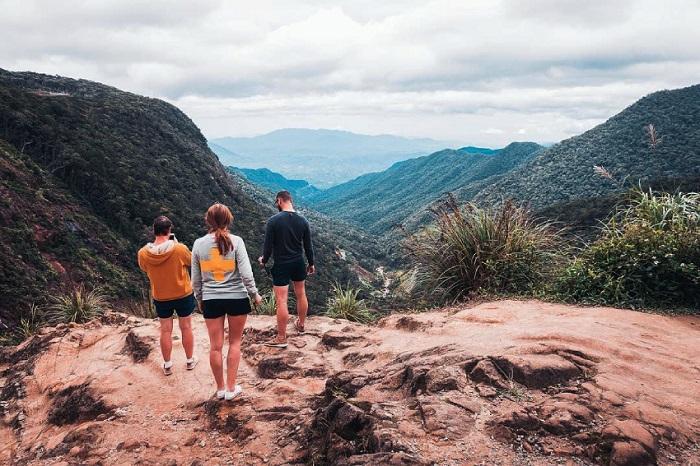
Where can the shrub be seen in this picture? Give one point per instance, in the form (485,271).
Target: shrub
(648,255)
(345,304)
(78,305)
(470,249)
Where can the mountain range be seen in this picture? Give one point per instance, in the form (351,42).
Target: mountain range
(653,143)
(86,167)
(323,157)
(379,201)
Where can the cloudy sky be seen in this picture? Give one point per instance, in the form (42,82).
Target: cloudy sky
(477,72)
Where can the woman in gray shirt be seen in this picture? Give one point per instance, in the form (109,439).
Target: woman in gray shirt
(222,280)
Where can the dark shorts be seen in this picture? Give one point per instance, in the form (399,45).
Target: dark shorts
(283,273)
(215,308)
(183,307)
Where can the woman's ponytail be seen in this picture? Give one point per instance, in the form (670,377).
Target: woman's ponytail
(218,219)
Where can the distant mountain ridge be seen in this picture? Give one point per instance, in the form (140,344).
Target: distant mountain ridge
(323,157)
(275,182)
(379,201)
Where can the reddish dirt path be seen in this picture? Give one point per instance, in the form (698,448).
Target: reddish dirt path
(505,382)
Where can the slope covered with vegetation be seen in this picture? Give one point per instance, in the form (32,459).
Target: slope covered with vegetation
(120,159)
(49,239)
(625,145)
(379,201)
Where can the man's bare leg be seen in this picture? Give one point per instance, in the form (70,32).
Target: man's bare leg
(302,302)
(281,296)
(185,324)
(166,338)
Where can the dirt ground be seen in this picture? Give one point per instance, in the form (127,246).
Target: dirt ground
(501,383)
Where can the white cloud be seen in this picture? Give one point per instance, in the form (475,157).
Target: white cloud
(439,68)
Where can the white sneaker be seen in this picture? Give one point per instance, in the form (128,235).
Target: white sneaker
(237,390)
(220,394)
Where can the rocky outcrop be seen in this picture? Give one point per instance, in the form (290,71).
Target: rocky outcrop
(94,394)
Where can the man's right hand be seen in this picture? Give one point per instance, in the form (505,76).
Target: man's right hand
(311,269)
(260,261)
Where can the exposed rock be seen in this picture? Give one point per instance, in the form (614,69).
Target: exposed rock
(630,454)
(538,370)
(274,364)
(434,399)
(339,340)
(486,372)
(630,430)
(561,417)
(442,379)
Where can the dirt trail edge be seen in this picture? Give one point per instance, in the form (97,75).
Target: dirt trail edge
(508,382)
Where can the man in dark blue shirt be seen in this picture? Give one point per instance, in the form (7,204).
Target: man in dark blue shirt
(287,240)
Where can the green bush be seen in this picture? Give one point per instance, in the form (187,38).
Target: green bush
(647,256)
(344,303)
(469,249)
(78,305)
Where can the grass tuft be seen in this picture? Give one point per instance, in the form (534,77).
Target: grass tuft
(344,303)
(78,305)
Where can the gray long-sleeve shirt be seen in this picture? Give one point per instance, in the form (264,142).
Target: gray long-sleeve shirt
(221,277)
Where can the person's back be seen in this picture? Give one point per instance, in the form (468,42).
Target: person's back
(166,262)
(166,266)
(287,236)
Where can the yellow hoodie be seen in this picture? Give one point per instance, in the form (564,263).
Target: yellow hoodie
(166,266)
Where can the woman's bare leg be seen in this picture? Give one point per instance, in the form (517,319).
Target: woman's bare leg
(235,335)
(215,328)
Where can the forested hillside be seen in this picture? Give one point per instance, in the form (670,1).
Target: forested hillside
(48,238)
(379,201)
(116,160)
(625,145)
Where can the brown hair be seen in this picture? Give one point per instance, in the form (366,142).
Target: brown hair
(286,196)
(162,225)
(218,218)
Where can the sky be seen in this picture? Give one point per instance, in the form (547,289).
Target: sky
(477,72)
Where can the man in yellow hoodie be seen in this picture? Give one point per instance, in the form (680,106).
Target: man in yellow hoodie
(167,263)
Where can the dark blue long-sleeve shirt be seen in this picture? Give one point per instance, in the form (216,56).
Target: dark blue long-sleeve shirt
(286,234)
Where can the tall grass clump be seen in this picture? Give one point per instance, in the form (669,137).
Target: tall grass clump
(470,249)
(344,303)
(31,322)
(268,306)
(78,305)
(648,255)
